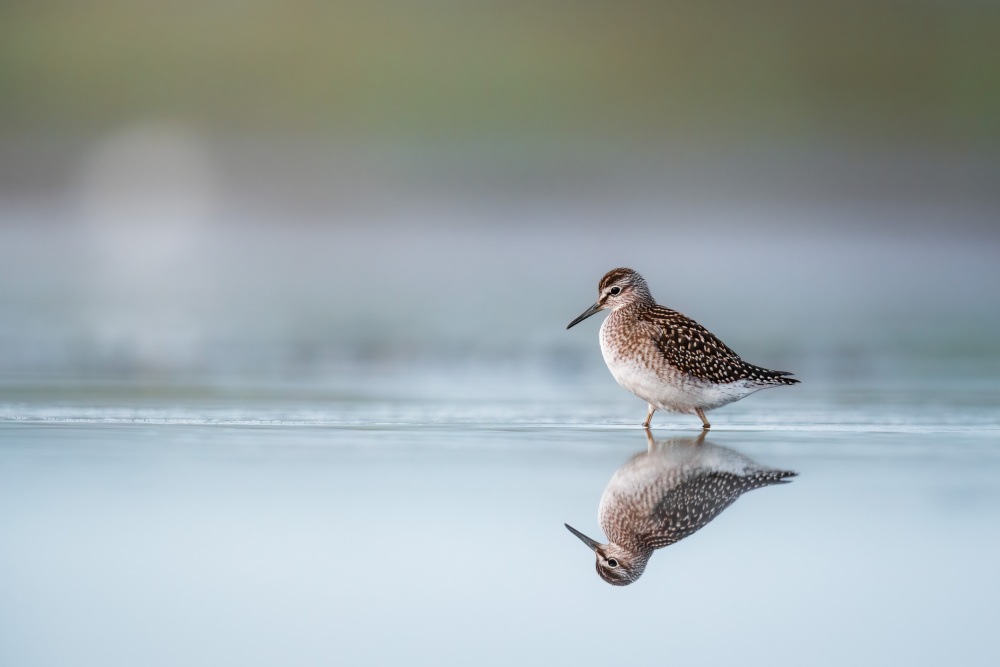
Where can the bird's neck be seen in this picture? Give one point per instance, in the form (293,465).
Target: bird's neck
(634,306)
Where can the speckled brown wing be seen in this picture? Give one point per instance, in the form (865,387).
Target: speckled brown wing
(693,349)
(690,506)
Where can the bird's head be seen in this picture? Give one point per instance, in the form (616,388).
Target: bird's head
(617,289)
(615,564)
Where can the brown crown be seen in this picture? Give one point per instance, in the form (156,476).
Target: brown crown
(621,275)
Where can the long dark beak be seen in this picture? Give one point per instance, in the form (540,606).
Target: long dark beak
(583,538)
(593,310)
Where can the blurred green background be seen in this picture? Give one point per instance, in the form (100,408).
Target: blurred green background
(881,70)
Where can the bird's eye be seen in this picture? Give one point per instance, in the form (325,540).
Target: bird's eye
(611,561)
(616,290)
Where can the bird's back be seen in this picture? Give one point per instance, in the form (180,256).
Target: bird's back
(675,489)
(695,351)
(693,504)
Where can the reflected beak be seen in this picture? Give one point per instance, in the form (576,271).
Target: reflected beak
(593,310)
(583,538)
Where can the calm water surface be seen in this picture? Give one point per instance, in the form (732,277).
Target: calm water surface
(258,529)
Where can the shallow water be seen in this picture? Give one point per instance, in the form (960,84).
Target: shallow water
(305,526)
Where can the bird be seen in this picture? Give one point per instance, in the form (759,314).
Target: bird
(664,494)
(667,359)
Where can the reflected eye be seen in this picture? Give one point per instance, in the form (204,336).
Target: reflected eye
(616,290)
(611,561)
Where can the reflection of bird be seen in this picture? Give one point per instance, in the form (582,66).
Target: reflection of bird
(669,360)
(665,494)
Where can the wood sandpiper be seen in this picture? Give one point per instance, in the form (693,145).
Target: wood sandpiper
(665,494)
(669,360)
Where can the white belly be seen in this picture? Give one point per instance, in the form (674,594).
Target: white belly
(644,373)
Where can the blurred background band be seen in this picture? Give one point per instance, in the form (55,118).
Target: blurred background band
(289,187)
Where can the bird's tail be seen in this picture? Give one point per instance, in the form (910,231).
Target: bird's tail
(769,377)
(769,477)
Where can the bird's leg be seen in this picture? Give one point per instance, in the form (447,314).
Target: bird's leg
(649,417)
(704,422)
(649,441)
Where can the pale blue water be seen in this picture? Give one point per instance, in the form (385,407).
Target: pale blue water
(302,526)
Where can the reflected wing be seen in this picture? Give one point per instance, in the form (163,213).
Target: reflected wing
(690,506)
(694,350)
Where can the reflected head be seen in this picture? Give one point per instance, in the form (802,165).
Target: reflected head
(615,564)
(618,566)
